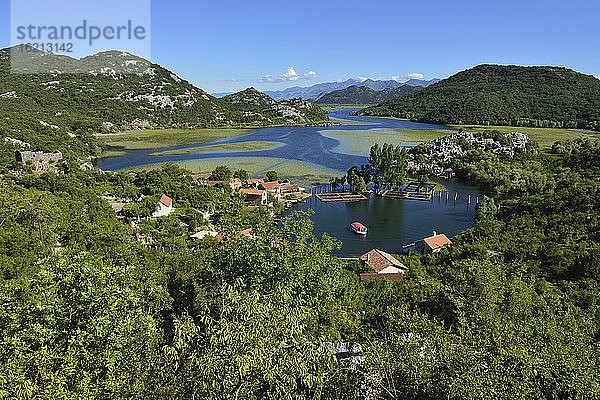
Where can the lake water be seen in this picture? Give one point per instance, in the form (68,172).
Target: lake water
(300,143)
(392,223)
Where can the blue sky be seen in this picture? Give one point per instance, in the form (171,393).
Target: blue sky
(228,45)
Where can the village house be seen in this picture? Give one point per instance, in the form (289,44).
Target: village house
(384,265)
(271,187)
(254,183)
(432,244)
(288,189)
(165,207)
(235,183)
(202,234)
(255,196)
(247,233)
(449,173)
(201,179)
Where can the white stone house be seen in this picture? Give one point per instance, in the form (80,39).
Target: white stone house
(165,207)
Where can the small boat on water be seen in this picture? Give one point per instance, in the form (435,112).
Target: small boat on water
(359,228)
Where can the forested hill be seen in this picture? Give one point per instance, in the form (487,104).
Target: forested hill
(364,95)
(113,91)
(541,96)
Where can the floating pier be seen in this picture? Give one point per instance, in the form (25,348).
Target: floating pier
(340,197)
(412,191)
(401,194)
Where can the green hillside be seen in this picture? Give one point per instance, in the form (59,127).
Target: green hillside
(114,91)
(544,96)
(364,95)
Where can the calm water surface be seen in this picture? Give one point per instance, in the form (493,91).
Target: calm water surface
(391,222)
(300,143)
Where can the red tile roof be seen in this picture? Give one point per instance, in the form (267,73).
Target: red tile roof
(289,187)
(254,192)
(166,200)
(270,185)
(437,241)
(200,176)
(254,181)
(246,232)
(380,260)
(229,182)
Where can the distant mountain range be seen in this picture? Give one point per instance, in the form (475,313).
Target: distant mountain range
(62,101)
(362,95)
(315,91)
(540,96)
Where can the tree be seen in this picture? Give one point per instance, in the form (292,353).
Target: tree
(221,173)
(360,184)
(486,209)
(352,177)
(241,174)
(141,209)
(271,176)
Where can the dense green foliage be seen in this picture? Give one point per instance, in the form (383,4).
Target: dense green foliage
(550,97)
(364,95)
(387,165)
(509,311)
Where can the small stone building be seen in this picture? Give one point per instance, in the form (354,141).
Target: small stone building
(432,244)
(38,157)
(385,266)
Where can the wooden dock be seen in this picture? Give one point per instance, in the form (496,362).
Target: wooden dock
(401,194)
(412,191)
(340,197)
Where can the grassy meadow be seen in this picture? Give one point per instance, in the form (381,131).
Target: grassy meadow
(297,171)
(360,141)
(112,153)
(544,137)
(245,146)
(157,138)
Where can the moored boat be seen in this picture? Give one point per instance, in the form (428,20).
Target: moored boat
(359,228)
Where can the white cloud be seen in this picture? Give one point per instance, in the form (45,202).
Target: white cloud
(289,75)
(310,75)
(233,80)
(597,76)
(409,76)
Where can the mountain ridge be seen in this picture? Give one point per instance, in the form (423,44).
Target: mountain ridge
(113,91)
(362,95)
(315,91)
(491,94)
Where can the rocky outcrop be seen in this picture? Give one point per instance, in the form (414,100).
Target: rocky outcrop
(434,156)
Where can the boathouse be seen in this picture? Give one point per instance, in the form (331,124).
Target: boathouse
(432,244)
(384,265)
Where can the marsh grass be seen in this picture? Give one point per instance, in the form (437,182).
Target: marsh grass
(157,138)
(297,171)
(544,137)
(245,146)
(360,141)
